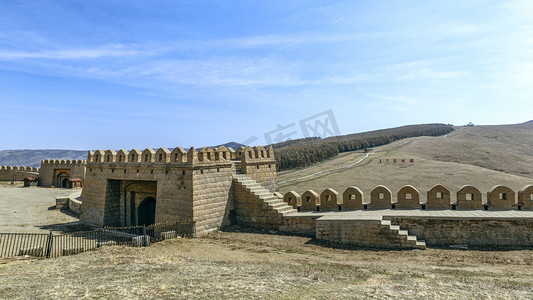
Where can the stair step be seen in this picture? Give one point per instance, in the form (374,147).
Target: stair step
(291,211)
(274,201)
(411,238)
(386,222)
(284,209)
(249,182)
(255,189)
(403,232)
(394,227)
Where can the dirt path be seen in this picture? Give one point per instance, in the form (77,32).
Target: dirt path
(30,209)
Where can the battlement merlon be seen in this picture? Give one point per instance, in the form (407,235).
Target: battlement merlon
(63,162)
(19,168)
(247,155)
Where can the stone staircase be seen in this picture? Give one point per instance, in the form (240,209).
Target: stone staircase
(269,202)
(236,167)
(408,240)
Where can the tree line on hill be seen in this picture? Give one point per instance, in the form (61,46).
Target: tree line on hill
(305,152)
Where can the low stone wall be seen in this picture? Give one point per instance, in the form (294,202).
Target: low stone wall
(74,206)
(62,203)
(18,175)
(71,203)
(304,225)
(252,211)
(359,232)
(477,232)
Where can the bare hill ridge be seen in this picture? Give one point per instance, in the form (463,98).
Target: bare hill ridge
(504,148)
(33,158)
(482,156)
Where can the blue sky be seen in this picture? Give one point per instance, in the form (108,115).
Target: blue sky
(134,74)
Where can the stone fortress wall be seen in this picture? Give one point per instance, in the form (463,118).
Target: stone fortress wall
(54,172)
(132,187)
(217,187)
(17,173)
(501,219)
(438,197)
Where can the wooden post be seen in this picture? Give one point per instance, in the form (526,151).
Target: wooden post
(145,242)
(49,245)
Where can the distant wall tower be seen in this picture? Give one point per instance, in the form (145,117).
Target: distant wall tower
(57,173)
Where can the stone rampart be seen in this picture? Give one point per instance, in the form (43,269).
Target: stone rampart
(17,173)
(477,232)
(195,184)
(468,198)
(55,172)
(362,233)
(259,163)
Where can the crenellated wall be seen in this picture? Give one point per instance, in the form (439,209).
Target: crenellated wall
(259,163)
(468,198)
(17,173)
(163,156)
(54,172)
(193,184)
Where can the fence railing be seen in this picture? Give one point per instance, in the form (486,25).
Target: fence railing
(55,245)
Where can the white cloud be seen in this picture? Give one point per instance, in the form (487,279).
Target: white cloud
(114,50)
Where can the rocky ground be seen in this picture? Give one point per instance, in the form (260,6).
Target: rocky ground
(247,264)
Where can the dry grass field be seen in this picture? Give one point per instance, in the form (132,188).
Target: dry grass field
(482,156)
(258,265)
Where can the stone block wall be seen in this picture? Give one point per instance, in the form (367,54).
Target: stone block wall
(478,232)
(171,187)
(192,185)
(408,198)
(259,164)
(501,197)
(17,173)
(362,233)
(303,225)
(254,212)
(50,169)
(438,198)
(212,197)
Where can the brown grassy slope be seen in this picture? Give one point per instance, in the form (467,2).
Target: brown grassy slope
(504,148)
(465,151)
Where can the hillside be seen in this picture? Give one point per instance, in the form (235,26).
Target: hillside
(482,156)
(33,158)
(305,152)
(504,148)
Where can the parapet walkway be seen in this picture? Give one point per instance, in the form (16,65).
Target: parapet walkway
(402,229)
(447,214)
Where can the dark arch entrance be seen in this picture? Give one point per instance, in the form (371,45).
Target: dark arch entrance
(62,179)
(146,212)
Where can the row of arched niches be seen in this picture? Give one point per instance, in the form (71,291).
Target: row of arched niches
(408,197)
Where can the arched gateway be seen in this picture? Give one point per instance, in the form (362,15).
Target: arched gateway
(146,212)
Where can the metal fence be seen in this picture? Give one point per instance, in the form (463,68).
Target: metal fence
(56,245)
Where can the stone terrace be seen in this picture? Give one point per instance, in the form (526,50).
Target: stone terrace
(415,228)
